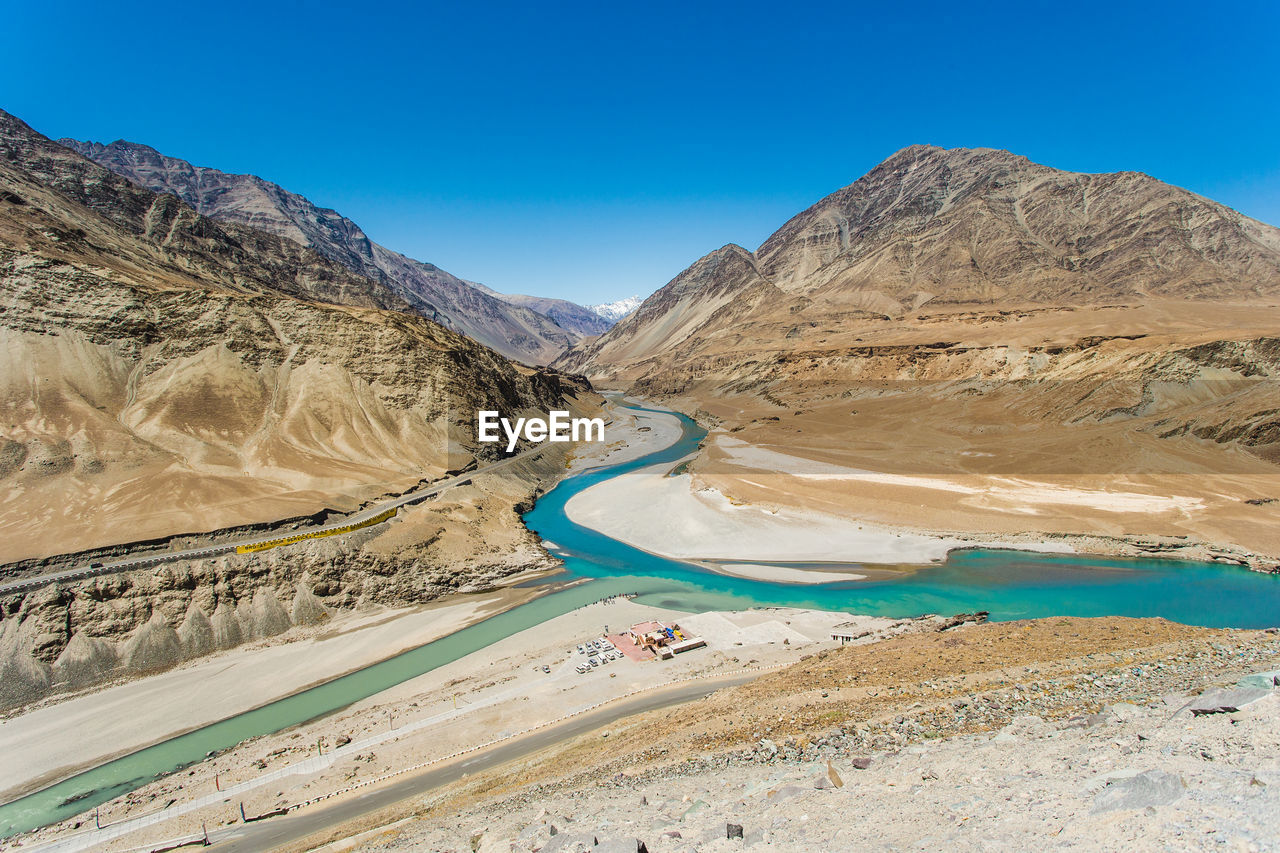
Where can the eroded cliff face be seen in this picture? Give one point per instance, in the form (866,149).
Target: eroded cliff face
(134,413)
(71,636)
(165,375)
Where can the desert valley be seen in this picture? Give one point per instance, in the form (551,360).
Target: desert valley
(954,504)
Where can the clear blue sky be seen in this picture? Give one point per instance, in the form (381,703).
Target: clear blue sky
(593,150)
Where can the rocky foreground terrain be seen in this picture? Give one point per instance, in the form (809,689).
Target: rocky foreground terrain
(165,376)
(1106,733)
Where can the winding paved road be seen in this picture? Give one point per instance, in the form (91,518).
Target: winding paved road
(130,563)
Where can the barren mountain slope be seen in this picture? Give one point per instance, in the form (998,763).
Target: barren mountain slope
(511,329)
(575,318)
(962,320)
(121,229)
(161,377)
(932,234)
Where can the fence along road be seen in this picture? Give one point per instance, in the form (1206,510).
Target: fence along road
(368,517)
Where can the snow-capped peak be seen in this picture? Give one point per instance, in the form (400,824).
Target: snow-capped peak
(615,311)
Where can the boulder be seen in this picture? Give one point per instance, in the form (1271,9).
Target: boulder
(1152,788)
(566,843)
(486,843)
(536,835)
(1226,701)
(696,808)
(307,609)
(1261,680)
(786,792)
(620,845)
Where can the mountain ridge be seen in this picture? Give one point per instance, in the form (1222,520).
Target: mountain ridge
(245,199)
(579,319)
(944,230)
(175,353)
(969,342)
(616,310)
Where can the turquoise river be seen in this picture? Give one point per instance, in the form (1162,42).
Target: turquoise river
(1008,584)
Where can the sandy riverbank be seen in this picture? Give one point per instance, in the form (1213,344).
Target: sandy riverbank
(629,435)
(742,501)
(782,574)
(956,465)
(673,517)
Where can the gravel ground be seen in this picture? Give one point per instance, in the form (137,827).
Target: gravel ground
(1102,756)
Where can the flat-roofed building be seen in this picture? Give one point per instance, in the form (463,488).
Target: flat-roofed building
(847,632)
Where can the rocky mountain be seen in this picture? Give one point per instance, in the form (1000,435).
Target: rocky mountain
(930,234)
(967,342)
(510,328)
(615,311)
(164,374)
(582,321)
(154,356)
